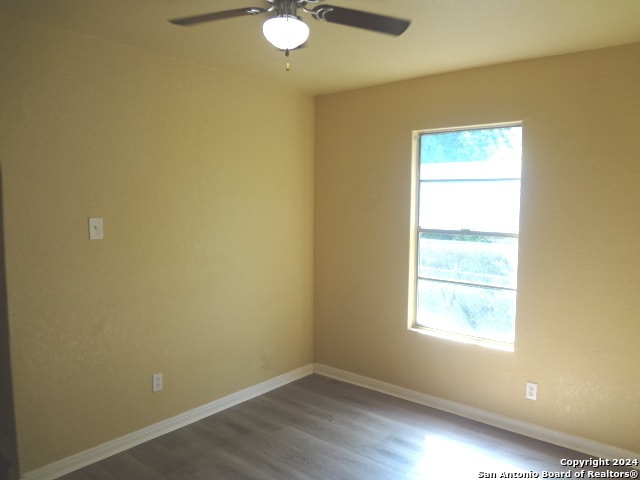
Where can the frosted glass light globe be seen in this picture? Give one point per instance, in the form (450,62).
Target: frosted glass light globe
(285,32)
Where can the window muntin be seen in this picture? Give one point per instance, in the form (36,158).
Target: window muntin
(468,207)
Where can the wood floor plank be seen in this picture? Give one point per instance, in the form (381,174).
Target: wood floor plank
(318,428)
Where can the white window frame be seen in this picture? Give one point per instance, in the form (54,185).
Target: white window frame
(414,250)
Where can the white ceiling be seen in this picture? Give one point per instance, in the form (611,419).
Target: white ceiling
(444,35)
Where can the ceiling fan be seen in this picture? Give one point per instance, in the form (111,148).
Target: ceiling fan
(286,31)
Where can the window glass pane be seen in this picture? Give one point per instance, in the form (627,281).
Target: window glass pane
(485,260)
(475,311)
(483,206)
(471,154)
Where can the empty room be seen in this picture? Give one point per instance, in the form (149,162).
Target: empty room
(403,246)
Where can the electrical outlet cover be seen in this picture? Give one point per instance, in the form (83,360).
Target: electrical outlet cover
(156,382)
(531,392)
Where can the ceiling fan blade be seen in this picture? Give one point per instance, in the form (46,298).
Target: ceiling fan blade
(360,19)
(209,17)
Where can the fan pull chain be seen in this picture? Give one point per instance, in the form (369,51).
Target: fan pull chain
(287,66)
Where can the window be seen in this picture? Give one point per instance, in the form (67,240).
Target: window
(465,249)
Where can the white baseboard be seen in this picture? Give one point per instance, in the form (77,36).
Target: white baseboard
(554,437)
(87,457)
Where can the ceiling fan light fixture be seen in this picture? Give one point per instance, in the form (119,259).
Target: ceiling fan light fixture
(285,32)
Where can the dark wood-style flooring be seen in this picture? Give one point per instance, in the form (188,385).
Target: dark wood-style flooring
(318,428)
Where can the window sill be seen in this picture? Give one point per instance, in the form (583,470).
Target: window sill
(456,337)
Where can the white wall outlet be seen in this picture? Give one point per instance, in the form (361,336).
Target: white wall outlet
(531,391)
(96,230)
(156,382)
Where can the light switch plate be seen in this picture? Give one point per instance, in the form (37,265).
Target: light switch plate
(96,231)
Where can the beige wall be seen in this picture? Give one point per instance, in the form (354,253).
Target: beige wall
(205,183)
(578,317)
